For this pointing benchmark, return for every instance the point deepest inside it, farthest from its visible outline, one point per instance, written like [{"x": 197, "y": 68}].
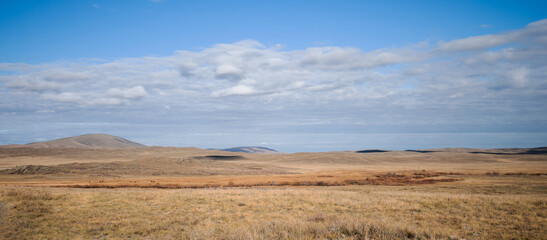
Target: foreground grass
[{"x": 513, "y": 207}]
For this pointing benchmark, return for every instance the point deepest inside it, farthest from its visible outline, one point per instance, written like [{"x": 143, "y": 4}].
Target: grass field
[
  {"x": 341, "y": 195},
  {"x": 484, "y": 207}
]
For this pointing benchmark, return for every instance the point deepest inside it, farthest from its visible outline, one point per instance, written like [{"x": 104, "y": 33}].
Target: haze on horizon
[{"x": 306, "y": 76}]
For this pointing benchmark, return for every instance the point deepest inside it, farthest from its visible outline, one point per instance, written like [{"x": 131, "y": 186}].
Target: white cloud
[
  {"x": 31, "y": 83},
  {"x": 536, "y": 29},
  {"x": 237, "y": 90},
  {"x": 478, "y": 42},
  {"x": 66, "y": 97},
  {"x": 106, "y": 101},
  {"x": 337, "y": 58},
  {"x": 464, "y": 81},
  {"x": 45, "y": 111},
  {"x": 227, "y": 71},
  {"x": 186, "y": 67},
  {"x": 519, "y": 76},
  {"x": 130, "y": 93}
]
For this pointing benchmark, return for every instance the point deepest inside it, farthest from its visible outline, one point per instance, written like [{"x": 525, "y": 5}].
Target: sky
[{"x": 295, "y": 76}]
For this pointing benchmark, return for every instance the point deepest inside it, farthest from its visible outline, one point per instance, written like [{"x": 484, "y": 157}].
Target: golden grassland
[
  {"x": 190, "y": 193},
  {"x": 480, "y": 207}
]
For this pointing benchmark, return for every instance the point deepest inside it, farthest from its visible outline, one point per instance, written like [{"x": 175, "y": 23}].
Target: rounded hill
[{"x": 88, "y": 141}]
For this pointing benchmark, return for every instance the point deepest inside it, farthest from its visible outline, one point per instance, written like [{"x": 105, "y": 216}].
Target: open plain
[
  {"x": 190, "y": 193},
  {"x": 273, "y": 119}
]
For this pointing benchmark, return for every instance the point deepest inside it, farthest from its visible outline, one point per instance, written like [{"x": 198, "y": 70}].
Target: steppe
[{"x": 102, "y": 187}]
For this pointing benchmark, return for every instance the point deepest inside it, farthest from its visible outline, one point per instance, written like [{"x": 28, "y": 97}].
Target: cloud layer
[{"x": 497, "y": 79}]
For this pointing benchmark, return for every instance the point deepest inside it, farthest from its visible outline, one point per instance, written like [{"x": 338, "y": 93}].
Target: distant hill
[
  {"x": 262, "y": 150},
  {"x": 88, "y": 141}
]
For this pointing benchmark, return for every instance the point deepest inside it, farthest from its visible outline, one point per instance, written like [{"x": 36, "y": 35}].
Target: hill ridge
[{"x": 95, "y": 140}]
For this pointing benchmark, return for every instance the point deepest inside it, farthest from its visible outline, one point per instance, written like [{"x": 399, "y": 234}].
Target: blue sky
[{"x": 290, "y": 75}]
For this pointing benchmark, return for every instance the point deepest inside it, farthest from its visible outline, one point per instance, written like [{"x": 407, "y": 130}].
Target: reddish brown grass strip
[{"x": 382, "y": 180}]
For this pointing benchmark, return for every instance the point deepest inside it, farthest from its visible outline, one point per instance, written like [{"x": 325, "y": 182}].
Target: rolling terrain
[
  {"x": 123, "y": 189},
  {"x": 119, "y": 161}
]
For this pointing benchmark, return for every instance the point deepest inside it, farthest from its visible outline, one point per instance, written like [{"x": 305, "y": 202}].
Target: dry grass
[
  {"x": 336, "y": 195},
  {"x": 448, "y": 160},
  {"x": 340, "y": 177},
  {"x": 486, "y": 207},
  {"x": 152, "y": 166},
  {"x": 323, "y": 178},
  {"x": 11, "y": 157}
]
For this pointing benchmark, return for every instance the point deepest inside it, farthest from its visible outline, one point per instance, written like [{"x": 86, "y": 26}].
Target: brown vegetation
[
  {"x": 338, "y": 178},
  {"x": 487, "y": 209},
  {"x": 189, "y": 193}
]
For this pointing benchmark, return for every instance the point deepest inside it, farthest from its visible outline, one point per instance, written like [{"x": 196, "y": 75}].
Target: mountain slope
[
  {"x": 246, "y": 149},
  {"x": 88, "y": 141}
]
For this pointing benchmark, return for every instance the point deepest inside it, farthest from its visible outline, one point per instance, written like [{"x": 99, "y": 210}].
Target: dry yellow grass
[
  {"x": 498, "y": 195},
  {"x": 483, "y": 207}
]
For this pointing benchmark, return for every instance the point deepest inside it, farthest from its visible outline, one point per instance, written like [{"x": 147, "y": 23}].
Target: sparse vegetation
[
  {"x": 483, "y": 211},
  {"x": 170, "y": 193}
]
